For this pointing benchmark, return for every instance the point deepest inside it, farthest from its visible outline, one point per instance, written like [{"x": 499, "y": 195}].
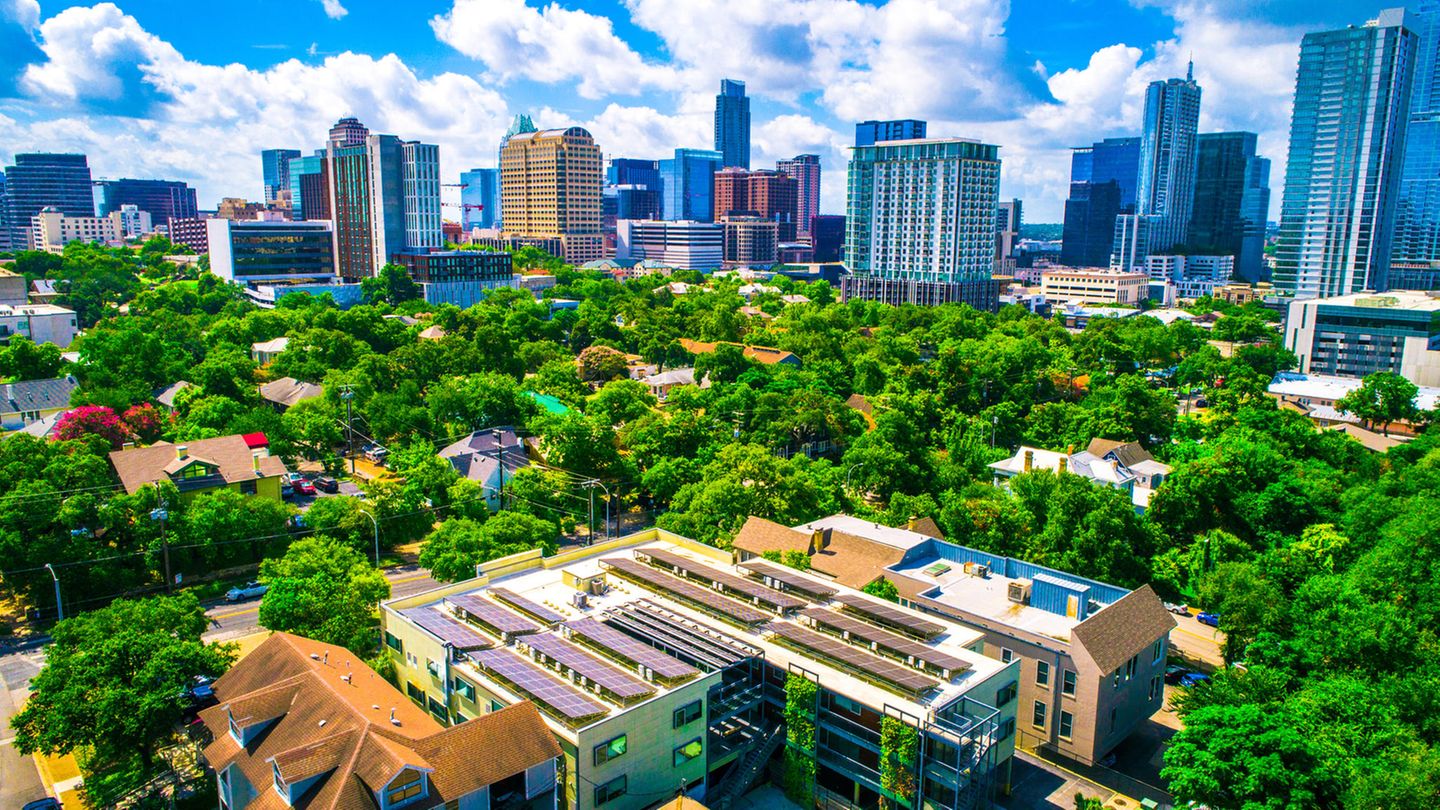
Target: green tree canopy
[{"x": 325, "y": 590}]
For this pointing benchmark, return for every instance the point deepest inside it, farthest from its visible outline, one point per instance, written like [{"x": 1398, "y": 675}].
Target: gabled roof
[
  {"x": 166, "y": 396},
  {"x": 1124, "y": 628},
  {"x": 927, "y": 526},
  {"x": 287, "y": 391},
  {"x": 230, "y": 455},
  {"x": 1127, "y": 453},
  {"x": 759, "y": 535},
  {"x": 854, "y": 561},
  {"x": 37, "y": 395},
  {"x": 760, "y": 354},
  {"x": 271, "y": 346}
]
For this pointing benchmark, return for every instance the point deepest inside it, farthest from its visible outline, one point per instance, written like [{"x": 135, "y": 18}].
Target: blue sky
[{"x": 154, "y": 88}]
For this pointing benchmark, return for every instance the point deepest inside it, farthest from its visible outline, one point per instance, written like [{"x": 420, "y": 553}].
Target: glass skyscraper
[
  {"x": 732, "y": 124},
  {"x": 869, "y": 133},
  {"x": 385, "y": 199},
  {"x": 1103, "y": 180},
  {"x": 40, "y": 180},
  {"x": 480, "y": 198},
  {"x": 1232, "y": 199},
  {"x": 163, "y": 200},
  {"x": 275, "y": 172},
  {"x": 1166, "y": 183},
  {"x": 1417, "y": 213},
  {"x": 1347, "y": 144},
  {"x": 688, "y": 184},
  {"x": 309, "y": 187}
]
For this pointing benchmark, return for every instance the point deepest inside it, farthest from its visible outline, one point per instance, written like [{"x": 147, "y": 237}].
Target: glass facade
[
  {"x": 869, "y": 133},
  {"x": 1417, "y": 214},
  {"x": 732, "y": 124},
  {"x": 40, "y": 180},
  {"x": 1232, "y": 199},
  {"x": 309, "y": 188},
  {"x": 688, "y": 184},
  {"x": 480, "y": 198},
  {"x": 275, "y": 172},
  {"x": 1103, "y": 179},
  {"x": 1166, "y": 183},
  {"x": 280, "y": 250},
  {"x": 163, "y": 200}
]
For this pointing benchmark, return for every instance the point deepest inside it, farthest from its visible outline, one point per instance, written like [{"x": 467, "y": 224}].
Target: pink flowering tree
[
  {"x": 92, "y": 420},
  {"x": 145, "y": 422}
]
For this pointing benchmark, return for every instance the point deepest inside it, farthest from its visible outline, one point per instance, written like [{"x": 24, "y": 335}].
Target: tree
[
  {"x": 325, "y": 590},
  {"x": 92, "y": 420},
  {"x": 115, "y": 678},
  {"x": 480, "y": 401},
  {"x": 216, "y": 523},
  {"x": 25, "y": 360},
  {"x": 599, "y": 363},
  {"x": 883, "y": 588},
  {"x": 452, "y": 551},
  {"x": 392, "y": 285},
  {"x": 621, "y": 401},
  {"x": 145, "y": 422},
  {"x": 1382, "y": 397},
  {"x": 1246, "y": 756}
]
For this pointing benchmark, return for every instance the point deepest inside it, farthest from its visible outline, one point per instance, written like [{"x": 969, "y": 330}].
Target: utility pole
[
  {"x": 592, "y": 514},
  {"x": 160, "y": 513},
  {"x": 348, "y": 394},
  {"x": 59, "y": 608}
]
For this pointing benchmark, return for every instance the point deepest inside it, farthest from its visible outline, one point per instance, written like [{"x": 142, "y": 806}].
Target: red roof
[{"x": 254, "y": 440}]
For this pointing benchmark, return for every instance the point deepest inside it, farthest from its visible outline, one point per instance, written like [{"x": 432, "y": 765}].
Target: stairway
[{"x": 746, "y": 771}]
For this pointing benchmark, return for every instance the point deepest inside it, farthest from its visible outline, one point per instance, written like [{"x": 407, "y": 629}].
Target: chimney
[
  {"x": 181, "y": 451},
  {"x": 1064, "y": 463},
  {"x": 393, "y": 721},
  {"x": 910, "y": 523},
  {"x": 1029, "y": 459},
  {"x": 255, "y": 461}
]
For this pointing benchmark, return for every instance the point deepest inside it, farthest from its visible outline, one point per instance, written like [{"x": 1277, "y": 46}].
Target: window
[
  {"x": 611, "y": 749},
  {"x": 1067, "y": 725},
  {"x": 847, "y": 705},
  {"x": 437, "y": 708},
  {"x": 393, "y": 643},
  {"x": 1007, "y": 728},
  {"x": 687, "y": 752},
  {"x": 1067, "y": 683},
  {"x": 248, "y": 487},
  {"x": 408, "y": 785},
  {"x": 1157, "y": 651},
  {"x": 1154, "y": 688},
  {"x": 613, "y": 789},
  {"x": 1037, "y": 717},
  {"x": 1006, "y": 694},
  {"x": 433, "y": 667},
  {"x": 1130, "y": 666},
  {"x": 465, "y": 688},
  {"x": 235, "y": 729},
  {"x": 685, "y": 715},
  {"x": 1007, "y": 655},
  {"x": 1042, "y": 673},
  {"x": 1112, "y": 719},
  {"x": 496, "y": 705},
  {"x": 416, "y": 693}
]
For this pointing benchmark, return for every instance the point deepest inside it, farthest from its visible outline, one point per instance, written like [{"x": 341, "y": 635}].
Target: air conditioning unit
[
  {"x": 1019, "y": 591},
  {"x": 982, "y": 571},
  {"x": 580, "y": 600}
]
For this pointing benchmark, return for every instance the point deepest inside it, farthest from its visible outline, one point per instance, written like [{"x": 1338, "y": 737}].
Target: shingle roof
[
  {"x": 854, "y": 561},
  {"x": 287, "y": 391},
  {"x": 759, "y": 535},
  {"x": 1127, "y": 453},
  {"x": 1124, "y": 628},
  {"x": 928, "y": 527},
  {"x": 166, "y": 395},
  {"x": 37, "y": 395},
  {"x": 138, "y": 466},
  {"x": 760, "y": 354}
]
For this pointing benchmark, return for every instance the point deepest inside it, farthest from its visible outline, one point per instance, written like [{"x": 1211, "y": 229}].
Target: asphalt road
[
  {"x": 1197, "y": 643},
  {"x": 231, "y": 620}
]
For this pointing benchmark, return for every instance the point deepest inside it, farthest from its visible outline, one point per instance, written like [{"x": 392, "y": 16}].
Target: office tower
[
  {"x": 1166, "y": 185},
  {"x": 869, "y": 133},
  {"x": 806, "y": 171},
  {"x": 1359, "y": 334},
  {"x": 521, "y": 123},
  {"x": 765, "y": 194},
  {"x": 4, "y": 221},
  {"x": 550, "y": 188},
  {"x": 687, "y": 183},
  {"x": 951, "y": 188},
  {"x": 1347, "y": 144},
  {"x": 827, "y": 237},
  {"x": 1008, "y": 218},
  {"x": 480, "y": 198},
  {"x": 732, "y": 124},
  {"x": 1114, "y": 160},
  {"x": 163, "y": 200},
  {"x": 1232, "y": 200},
  {"x": 384, "y": 200},
  {"x": 633, "y": 172},
  {"x": 275, "y": 172},
  {"x": 1417, "y": 214},
  {"x": 42, "y": 180},
  {"x": 1131, "y": 241},
  {"x": 309, "y": 188},
  {"x": 348, "y": 132},
  {"x": 1103, "y": 178},
  {"x": 750, "y": 241},
  {"x": 681, "y": 245}
]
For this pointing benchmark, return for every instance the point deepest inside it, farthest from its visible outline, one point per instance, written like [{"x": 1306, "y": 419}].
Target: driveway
[{"x": 1038, "y": 785}]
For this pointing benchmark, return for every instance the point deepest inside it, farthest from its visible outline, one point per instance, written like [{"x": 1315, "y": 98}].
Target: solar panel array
[
  {"x": 885, "y": 639},
  {"x": 722, "y": 605},
  {"x": 611, "y": 679},
  {"x": 566, "y": 700},
  {"x": 447, "y": 628},
  {"x": 747, "y": 587},
  {"x": 887, "y": 614},
  {"x": 866, "y": 665},
  {"x": 492, "y": 615},
  {"x": 627, "y": 648},
  {"x": 789, "y": 578},
  {"x": 686, "y": 638},
  {"x": 524, "y": 605}
]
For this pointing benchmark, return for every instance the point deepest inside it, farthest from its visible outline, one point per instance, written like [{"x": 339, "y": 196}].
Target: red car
[{"x": 303, "y": 487}]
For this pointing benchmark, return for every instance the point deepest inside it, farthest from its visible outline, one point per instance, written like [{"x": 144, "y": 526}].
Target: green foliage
[
  {"x": 798, "y": 766},
  {"x": 899, "y": 757},
  {"x": 883, "y": 588},
  {"x": 325, "y": 590},
  {"x": 456, "y": 547},
  {"x": 392, "y": 285},
  {"x": 1383, "y": 397},
  {"x": 21, "y": 359}
]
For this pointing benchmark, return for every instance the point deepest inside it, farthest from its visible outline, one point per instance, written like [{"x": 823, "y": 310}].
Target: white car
[{"x": 249, "y": 590}]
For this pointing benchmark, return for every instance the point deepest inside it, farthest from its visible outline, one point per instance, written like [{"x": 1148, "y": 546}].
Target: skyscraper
[
  {"x": 384, "y": 199},
  {"x": 309, "y": 187},
  {"x": 1232, "y": 200},
  {"x": 550, "y": 188},
  {"x": 869, "y": 133},
  {"x": 348, "y": 132},
  {"x": 763, "y": 194},
  {"x": 1103, "y": 178},
  {"x": 1008, "y": 217},
  {"x": 275, "y": 173},
  {"x": 732, "y": 124},
  {"x": 521, "y": 123},
  {"x": 163, "y": 200},
  {"x": 687, "y": 184},
  {"x": 1347, "y": 144},
  {"x": 633, "y": 172},
  {"x": 37, "y": 181},
  {"x": 480, "y": 198},
  {"x": 920, "y": 226},
  {"x": 1166, "y": 184},
  {"x": 1417, "y": 214},
  {"x": 806, "y": 171}
]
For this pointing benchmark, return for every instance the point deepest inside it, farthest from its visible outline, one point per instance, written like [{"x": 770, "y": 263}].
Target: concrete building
[
  {"x": 459, "y": 277},
  {"x": 680, "y": 245},
  {"x": 1193, "y": 276},
  {"x": 660, "y": 666},
  {"x": 39, "y": 181},
  {"x": 550, "y": 188},
  {"x": 765, "y": 194},
  {"x": 1008, "y": 218},
  {"x": 14, "y": 290},
  {"x": 163, "y": 200},
  {"x": 192, "y": 233},
  {"x": 1347, "y": 144},
  {"x": 1359, "y": 334},
  {"x": 1232, "y": 202},
  {"x": 750, "y": 241},
  {"x": 1130, "y": 243},
  {"x": 41, "y": 323},
  {"x": 732, "y": 124},
  {"x": 869, "y": 133},
  {"x": 1315, "y": 395},
  {"x": 51, "y": 230},
  {"x": 1168, "y": 152},
  {"x": 27, "y": 402},
  {"x": 245, "y": 252},
  {"x": 1076, "y": 286},
  {"x": 131, "y": 222},
  {"x": 1091, "y": 656},
  {"x": 806, "y": 171},
  {"x": 688, "y": 184},
  {"x": 920, "y": 225},
  {"x": 348, "y": 131},
  {"x": 384, "y": 199},
  {"x": 275, "y": 175}
]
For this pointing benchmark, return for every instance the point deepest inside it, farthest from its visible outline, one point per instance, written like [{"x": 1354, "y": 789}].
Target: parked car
[
  {"x": 1174, "y": 673},
  {"x": 1192, "y": 679},
  {"x": 325, "y": 483},
  {"x": 1178, "y": 610},
  {"x": 1212, "y": 619},
  {"x": 303, "y": 487},
  {"x": 376, "y": 453},
  {"x": 249, "y": 590},
  {"x": 47, "y": 803},
  {"x": 200, "y": 691}
]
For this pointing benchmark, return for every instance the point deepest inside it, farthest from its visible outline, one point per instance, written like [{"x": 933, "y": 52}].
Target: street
[
  {"x": 231, "y": 620},
  {"x": 1198, "y": 644}
]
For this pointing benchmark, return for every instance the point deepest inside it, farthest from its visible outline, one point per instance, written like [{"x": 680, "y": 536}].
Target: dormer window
[
  {"x": 406, "y": 787},
  {"x": 280, "y": 786},
  {"x": 234, "y": 729}
]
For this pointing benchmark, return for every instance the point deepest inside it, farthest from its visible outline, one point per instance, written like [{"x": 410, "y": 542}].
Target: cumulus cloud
[
  {"x": 333, "y": 9},
  {"x": 100, "y": 56}
]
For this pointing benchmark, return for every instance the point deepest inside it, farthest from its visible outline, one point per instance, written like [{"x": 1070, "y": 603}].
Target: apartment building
[
  {"x": 660, "y": 666},
  {"x": 1072, "y": 286},
  {"x": 1091, "y": 656}
]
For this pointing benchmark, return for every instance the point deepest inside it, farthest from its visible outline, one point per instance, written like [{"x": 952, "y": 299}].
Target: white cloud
[
  {"x": 333, "y": 9},
  {"x": 88, "y": 51},
  {"x": 641, "y": 132}
]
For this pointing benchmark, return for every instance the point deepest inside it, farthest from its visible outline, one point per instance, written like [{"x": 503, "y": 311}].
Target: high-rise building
[
  {"x": 275, "y": 172},
  {"x": 688, "y": 184},
  {"x": 1168, "y": 146},
  {"x": 1347, "y": 144},
  {"x": 309, "y": 188},
  {"x": 1008, "y": 217},
  {"x": 550, "y": 187},
  {"x": 921, "y": 222},
  {"x": 1130, "y": 242},
  {"x": 420, "y": 163},
  {"x": 750, "y": 241},
  {"x": 163, "y": 200},
  {"x": 1111, "y": 160},
  {"x": 869, "y": 133},
  {"x": 633, "y": 172},
  {"x": 348, "y": 132},
  {"x": 43, "y": 180},
  {"x": 480, "y": 198},
  {"x": 384, "y": 199},
  {"x": 1103, "y": 179},
  {"x": 827, "y": 237},
  {"x": 765, "y": 194},
  {"x": 806, "y": 171},
  {"x": 1417, "y": 214},
  {"x": 1232, "y": 200},
  {"x": 521, "y": 123},
  {"x": 732, "y": 124}
]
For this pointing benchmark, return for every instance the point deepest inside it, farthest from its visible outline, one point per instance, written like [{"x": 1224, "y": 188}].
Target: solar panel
[
  {"x": 447, "y": 628},
  {"x": 721, "y": 605},
  {"x": 492, "y": 615},
  {"x": 885, "y": 640},
  {"x": 527, "y": 606},
  {"x": 542, "y": 687},
  {"x": 741, "y": 585},
  {"x": 686, "y": 636},
  {"x": 862, "y": 664},
  {"x": 789, "y": 578},
  {"x": 627, "y": 648},
  {"x": 891, "y": 616},
  {"x": 612, "y": 679}
]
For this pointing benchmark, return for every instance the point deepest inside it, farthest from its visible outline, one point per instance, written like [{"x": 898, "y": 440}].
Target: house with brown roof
[
  {"x": 286, "y": 392},
  {"x": 760, "y": 354},
  {"x": 299, "y": 723},
  {"x": 240, "y": 462}
]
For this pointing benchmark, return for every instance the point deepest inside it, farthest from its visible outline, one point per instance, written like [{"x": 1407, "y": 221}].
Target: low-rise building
[
  {"x": 13, "y": 288},
  {"x": 29, "y": 401},
  {"x": 286, "y": 392},
  {"x": 1074, "y": 286},
  {"x": 1315, "y": 395},
  {"x": 659, "y": 667},
  {"x": 1362, "y": 333},
  {"x": 192, "y": 232},
  {"x": 266, "y": 351},
  {"x": 1125, "y": 466},
  {"x": 300, "y": 723},
  {"x": 41, "y": 323},
  {"x": 52, "y": 230},
  {"x": 240, "y": 462},
  {"x": 458, "y": 277},
  {"x": 750, "y": 241},
  {"x": 760, "y": 354},
  {"x": 246, "y": 251},
  {"x": 488, "y": 457},
  {"x": 662, "y": 383},
  {"x": 683, "y": 245}
]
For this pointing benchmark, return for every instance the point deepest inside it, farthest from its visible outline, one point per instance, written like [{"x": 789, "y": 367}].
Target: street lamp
[
  {"x": 59, "y": 609},
  {"x": 376, "y": 524},
  {"x": 853, "y": 468},
  {"x": 592, "y": 483}
]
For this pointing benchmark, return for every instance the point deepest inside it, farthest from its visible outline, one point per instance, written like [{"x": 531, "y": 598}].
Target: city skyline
[{"x": 149, "y": 96}]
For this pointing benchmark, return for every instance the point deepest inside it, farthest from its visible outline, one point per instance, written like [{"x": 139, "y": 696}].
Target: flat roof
[
  {"x": 1328, "y": 388},
  {"x": 987, "y": 598},
  {"x": 1416, "y": 300}
]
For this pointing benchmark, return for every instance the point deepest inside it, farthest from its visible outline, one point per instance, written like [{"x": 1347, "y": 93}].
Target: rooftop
[
  {"x": 37, "y": 395},
  {"x": 1394, "y": 299},
  {"x": 231, "y": 457},
  {"x": 1324, "y": 389}
]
